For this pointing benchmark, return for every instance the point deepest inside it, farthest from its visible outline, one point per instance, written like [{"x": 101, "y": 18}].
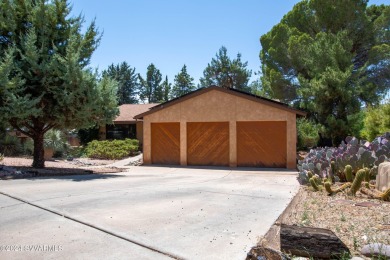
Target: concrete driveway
[{"x": 145, "y": 213}]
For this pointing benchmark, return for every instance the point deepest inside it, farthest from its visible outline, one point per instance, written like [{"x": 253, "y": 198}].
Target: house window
[{"x": 121, "y": 131}]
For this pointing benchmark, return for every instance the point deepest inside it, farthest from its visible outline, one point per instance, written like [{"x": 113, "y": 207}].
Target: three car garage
[{"x": 220, "y": 127}]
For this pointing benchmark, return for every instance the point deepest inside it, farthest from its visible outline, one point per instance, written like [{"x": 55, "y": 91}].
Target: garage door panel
[
  {"x": 165, "y": 143},
  {"x": 208, "y": 143},
  {"x": 262, "y": 144}
]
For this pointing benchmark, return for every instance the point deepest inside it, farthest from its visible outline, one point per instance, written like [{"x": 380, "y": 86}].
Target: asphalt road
[{"x": 145, "y": 213}]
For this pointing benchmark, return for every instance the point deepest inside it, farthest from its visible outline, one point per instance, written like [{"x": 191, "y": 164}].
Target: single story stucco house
[{"x": 220, "y": 127}]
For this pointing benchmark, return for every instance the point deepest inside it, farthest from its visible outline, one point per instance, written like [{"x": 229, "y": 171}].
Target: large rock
[
  {"x": 263, "y": 253},
  {"x": 376, "y": 250},
  {"x": 318, "y": 243},
  {"x": 383, "y": 177}
]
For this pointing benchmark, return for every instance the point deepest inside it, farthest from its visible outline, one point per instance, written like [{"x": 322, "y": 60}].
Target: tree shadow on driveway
[
  {"x": 78, "y": 178},
  {"x": 234, "y": 169},
  {"x": 74, "y": 174}
]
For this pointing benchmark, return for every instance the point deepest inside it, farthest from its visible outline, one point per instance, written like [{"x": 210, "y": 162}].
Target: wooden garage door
[
  {"x": 208, "y": 143},
  {"x": 165, "y": 143},
  {"x": 262, "y": 144}
]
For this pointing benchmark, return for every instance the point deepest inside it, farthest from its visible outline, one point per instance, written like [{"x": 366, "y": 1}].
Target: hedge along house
[
  {"x": 221, "y": 127},
  {"x": 125, "y": 126}
]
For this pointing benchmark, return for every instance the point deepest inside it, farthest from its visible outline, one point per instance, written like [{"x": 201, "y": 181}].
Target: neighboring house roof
[
  {"x": 231, "y": 91},
  {"x": 127, "y": 112}
]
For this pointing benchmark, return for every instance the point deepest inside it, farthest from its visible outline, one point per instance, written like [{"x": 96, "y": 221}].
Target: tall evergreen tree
[
  {"x": 166, "y": 88},
  {"x": 183, "y": 83},
  {"x": 44, "y": 79},
  {"x": 224, "y": 72},
  {"x": 329, "y": 57},
  {"x": 128, "y": 83},
  {"x": 150, "y": 88},
  {"x": 256, "y": 88}
]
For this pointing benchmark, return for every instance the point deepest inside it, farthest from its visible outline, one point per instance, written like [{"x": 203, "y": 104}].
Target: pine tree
[
  {"x": 329, "y": 57},
  {"x": 183, "y": 83},
  {"x": 151, "y": 89},
  {"x": 128, "y": 83},
  {"x": 44, "y": 79},
  {"x": 166, "y": 88},
  {"x": 224, "y": 72}
]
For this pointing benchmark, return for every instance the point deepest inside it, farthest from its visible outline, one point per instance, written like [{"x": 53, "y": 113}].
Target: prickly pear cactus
[{"x": 357, "y": 154}]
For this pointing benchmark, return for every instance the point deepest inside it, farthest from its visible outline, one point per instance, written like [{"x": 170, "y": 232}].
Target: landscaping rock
[
  {"x": 356, "y": 258},
  {"x": 383, "y": 177},
  {"x": 318, "y": 243},
  {"x": 263, "y": 253},
  {"x": 135, "y": 163},
  {"x": 367, "y": 204},
  {"x": 376, "y": 250},
  {"x": 11, "y": 173},
  {"x": 6, "y": 175}
]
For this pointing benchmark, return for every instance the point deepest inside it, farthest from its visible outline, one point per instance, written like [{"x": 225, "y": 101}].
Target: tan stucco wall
[
  {"x": 217, "y": 106},
  {"x": 140, "y": 132}
]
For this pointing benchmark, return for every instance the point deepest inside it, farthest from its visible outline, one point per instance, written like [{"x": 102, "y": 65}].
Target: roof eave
[{"x": 198, "y": 92}]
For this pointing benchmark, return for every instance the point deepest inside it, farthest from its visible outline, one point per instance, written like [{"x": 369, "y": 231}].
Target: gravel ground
[
  {"x": 56, "y": 163},
  {"x": 357, "y": 221},
  {"x": 21, "y": 167}
]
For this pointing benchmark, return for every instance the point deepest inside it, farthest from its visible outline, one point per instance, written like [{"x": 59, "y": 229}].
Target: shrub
[
  {"x": 28, "y": 147},
  {"x": 76, "y": 152},
  {"x": 356, "y": 124},
  {"x": 376, "y": 121},
  {"x": 56, "y": 140},
  {"x": 307, "y": 133},
  {"x": 357, "y": 154},
  {"x": 10, "y": 145},
  {"x": 115, "y": 149}
]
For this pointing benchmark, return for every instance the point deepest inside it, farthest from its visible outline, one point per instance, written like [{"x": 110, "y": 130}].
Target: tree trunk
[
  {"x": 39, "y": 159},
  {"x": 318, "y": 243}
]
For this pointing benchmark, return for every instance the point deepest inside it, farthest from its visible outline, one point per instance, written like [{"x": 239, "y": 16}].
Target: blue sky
[{"x": 171, "y": 33}]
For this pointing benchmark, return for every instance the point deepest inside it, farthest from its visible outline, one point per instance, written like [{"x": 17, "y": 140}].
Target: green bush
[
  {"x": 11, "y": 146},
  {"x": 56, "y": 140},
  {"x": 115, "y": 149},
  {"x": 28, "y": 147},
  {"x": 76, "y": 152},
  {"x": 376, "y": 121},
  {"x": 307, "y": 133}
]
